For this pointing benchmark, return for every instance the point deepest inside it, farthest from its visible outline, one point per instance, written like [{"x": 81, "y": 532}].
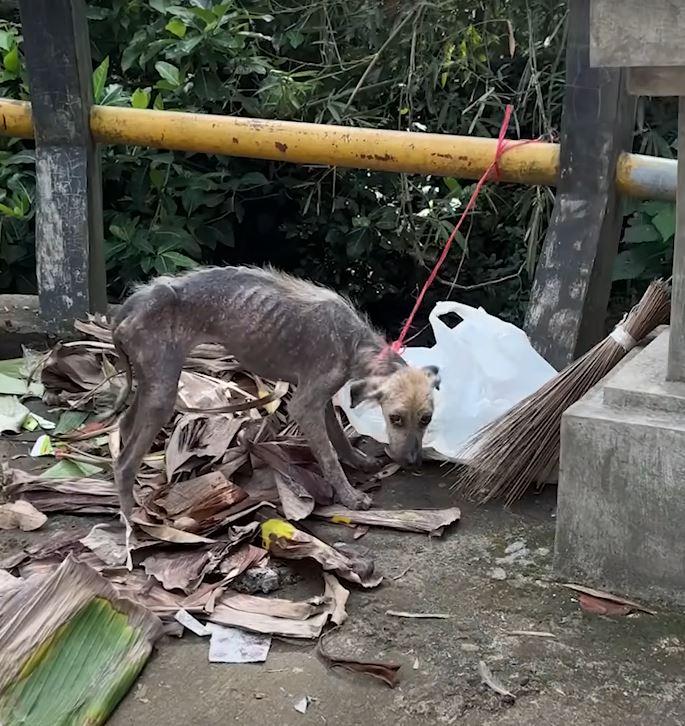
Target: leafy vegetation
[
  {"x": 647, "y": 242},
  {"x": 447, "y": 66}
]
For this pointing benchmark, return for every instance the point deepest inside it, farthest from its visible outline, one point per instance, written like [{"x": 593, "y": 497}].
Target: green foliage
[
  {"x": 647, "y": 242},
  {"x": 646, "y": 249},
  {"x": 17, "y": 178},
  {"x": 444, "y": 67}
]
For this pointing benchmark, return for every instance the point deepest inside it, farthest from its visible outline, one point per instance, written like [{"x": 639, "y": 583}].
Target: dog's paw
[{"x": 355, "y": 499}]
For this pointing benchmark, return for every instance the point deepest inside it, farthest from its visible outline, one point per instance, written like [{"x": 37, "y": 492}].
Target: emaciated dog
[{"x": 278, "y": 327}]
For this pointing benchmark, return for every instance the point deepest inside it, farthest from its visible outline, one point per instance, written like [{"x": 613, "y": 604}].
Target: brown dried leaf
[
  {"x": 360, "y": 531},
  {"x": 608, "y": 598},
  {"x": 386, "y": 672},
  {"x": 241, "y": 510},
  {"x": 275, "y": 607},
  {"x": 39, "y": 567},
  {"x": 599, "y": 606},
  {"x": 199, "y": 440},
  {"x": 183, "y": 569},
  {"x": 13, "y": 560},
  {"x": 95, "y": 327},
  {"x": 83, "y": 496},
  {"x": 21, "y": 515},
  {"x": 60, "y": 544},
  {"x": 431, "y": 521},
  {"x": 259, "y": 623},
  {"x": 197, "y": 390},
  {"x": 108, "y": 543},
  {"x": 283, "y": 540},
  {"x": 233, "y": 460},
  {"x": 200, "y": 498},
  {"x": 205, "y": 597},
  {"x": 277, "y": 617},
  {"x": 8, "y": 583},
  {"x": 282, "y": 459},
  {"x": 240, "y": 560},
  {"x": 165, "y": 533},
  {"x": 297, "y": 503},
  {"x": 143, "y": 590},
  {"x": 72, "y": 369}
]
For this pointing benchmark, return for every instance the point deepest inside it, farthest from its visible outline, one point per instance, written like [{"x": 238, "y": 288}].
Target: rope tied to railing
[{"x": 493, "y": 171}]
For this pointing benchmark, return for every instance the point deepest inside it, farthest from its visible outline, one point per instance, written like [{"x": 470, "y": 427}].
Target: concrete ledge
[
  {"x": 621, "y": 495},
  {"x": 642, "y": 382},
  {"x": 21, "y": 324}
]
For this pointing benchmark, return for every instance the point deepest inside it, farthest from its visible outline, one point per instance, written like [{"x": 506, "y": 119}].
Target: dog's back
[{"x": 267, "y": 319}]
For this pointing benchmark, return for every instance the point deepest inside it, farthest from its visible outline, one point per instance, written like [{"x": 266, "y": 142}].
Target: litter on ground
[{"x": 221, "y": 499}]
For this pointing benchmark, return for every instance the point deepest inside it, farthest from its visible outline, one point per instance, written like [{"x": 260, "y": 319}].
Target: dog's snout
[{"x": 414, "y": 456}]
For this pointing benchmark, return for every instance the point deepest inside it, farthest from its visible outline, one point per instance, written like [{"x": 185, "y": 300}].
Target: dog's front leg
[
  {"x": 347, "y": 453},
  {"x": 308, "y": 409}
]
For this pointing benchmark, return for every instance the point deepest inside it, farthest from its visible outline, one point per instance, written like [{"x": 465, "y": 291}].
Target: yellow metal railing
[{"x": 464, "y": 157}]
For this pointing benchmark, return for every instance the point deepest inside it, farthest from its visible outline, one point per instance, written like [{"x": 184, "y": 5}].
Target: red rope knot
[{"x": 502, "y": 144}]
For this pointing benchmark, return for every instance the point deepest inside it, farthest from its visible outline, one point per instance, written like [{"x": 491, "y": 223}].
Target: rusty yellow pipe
[
  {"x": 16, "y": 119},
  {"x": 463, "y": 157},
  {"x": 303, "y": 143}
]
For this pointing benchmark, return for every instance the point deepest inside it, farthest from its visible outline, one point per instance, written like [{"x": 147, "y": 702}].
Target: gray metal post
[
  {"x": 572, "y": 282},
  {"x": 70, "y": 262}
]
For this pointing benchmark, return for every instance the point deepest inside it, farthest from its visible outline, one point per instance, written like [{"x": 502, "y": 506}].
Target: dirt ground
[{"x": 597, "y": 670}]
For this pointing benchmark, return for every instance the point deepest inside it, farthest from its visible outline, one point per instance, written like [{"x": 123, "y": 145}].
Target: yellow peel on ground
[
  {"x": 275, "y": 529},
  {"x": 263, "y": 392},
  {"x": 341, "y": 519}
]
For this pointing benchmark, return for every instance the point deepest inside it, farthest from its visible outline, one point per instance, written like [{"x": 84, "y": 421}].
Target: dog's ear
[
  {"x": 364, "y": 390},
  {"x": 433, "y": 373}
]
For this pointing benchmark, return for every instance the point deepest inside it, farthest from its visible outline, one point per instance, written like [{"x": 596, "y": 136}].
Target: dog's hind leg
[
  {"x": 347, "y": 453},
  {"x": 308, "y": 408},
  {"x": 126, "y": 422},
  {"x": 151, "y": 409}
]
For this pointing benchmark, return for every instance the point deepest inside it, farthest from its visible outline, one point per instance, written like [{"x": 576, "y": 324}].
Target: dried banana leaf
[
  {"x": 430, "y": 521},
  {"x": 283, "y": 617},
  {"x": 47, "y": 494},
  {"x": 283, "y": 540}
]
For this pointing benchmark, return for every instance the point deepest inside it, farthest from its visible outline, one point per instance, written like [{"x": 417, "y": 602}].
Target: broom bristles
[{"x": 522, "y": 446}]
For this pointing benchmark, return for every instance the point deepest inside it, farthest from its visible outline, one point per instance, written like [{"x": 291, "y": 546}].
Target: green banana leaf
[{"x": 71, "y": 648}]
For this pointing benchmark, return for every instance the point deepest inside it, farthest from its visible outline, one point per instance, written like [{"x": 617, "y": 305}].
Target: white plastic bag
[{"x": 486, "y": 367}]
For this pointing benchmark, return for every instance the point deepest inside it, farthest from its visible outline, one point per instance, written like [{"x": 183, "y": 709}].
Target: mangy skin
[{"x": 278, "y": 327}]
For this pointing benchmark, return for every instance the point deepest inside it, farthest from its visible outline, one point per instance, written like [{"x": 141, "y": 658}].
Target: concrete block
[
  {"x": 22, "y": 325},
  {"x": 621, "y": 496},
  {"x": 642, "y": 383}
]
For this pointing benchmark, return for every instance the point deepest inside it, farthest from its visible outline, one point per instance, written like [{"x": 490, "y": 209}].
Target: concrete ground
[{"x": 597, "y": 670}]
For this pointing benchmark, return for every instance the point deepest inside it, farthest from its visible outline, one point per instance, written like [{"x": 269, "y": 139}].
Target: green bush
[{"x": 449, "y": 66}]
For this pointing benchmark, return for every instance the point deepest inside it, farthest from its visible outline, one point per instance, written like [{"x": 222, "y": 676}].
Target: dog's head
[{"x": 406, "y": 399}]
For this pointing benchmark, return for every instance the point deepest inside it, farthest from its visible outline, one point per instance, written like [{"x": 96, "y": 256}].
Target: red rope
[{"x": 502, "y": 147}]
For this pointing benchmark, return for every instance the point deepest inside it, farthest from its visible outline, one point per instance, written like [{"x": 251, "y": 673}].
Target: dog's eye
[
  {"x": 425, "y": 420},
  {"x": 396, "y": 420}
]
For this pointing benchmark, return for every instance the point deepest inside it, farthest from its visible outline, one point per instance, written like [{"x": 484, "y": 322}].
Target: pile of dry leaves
[{"x": 220, "y": 497}]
